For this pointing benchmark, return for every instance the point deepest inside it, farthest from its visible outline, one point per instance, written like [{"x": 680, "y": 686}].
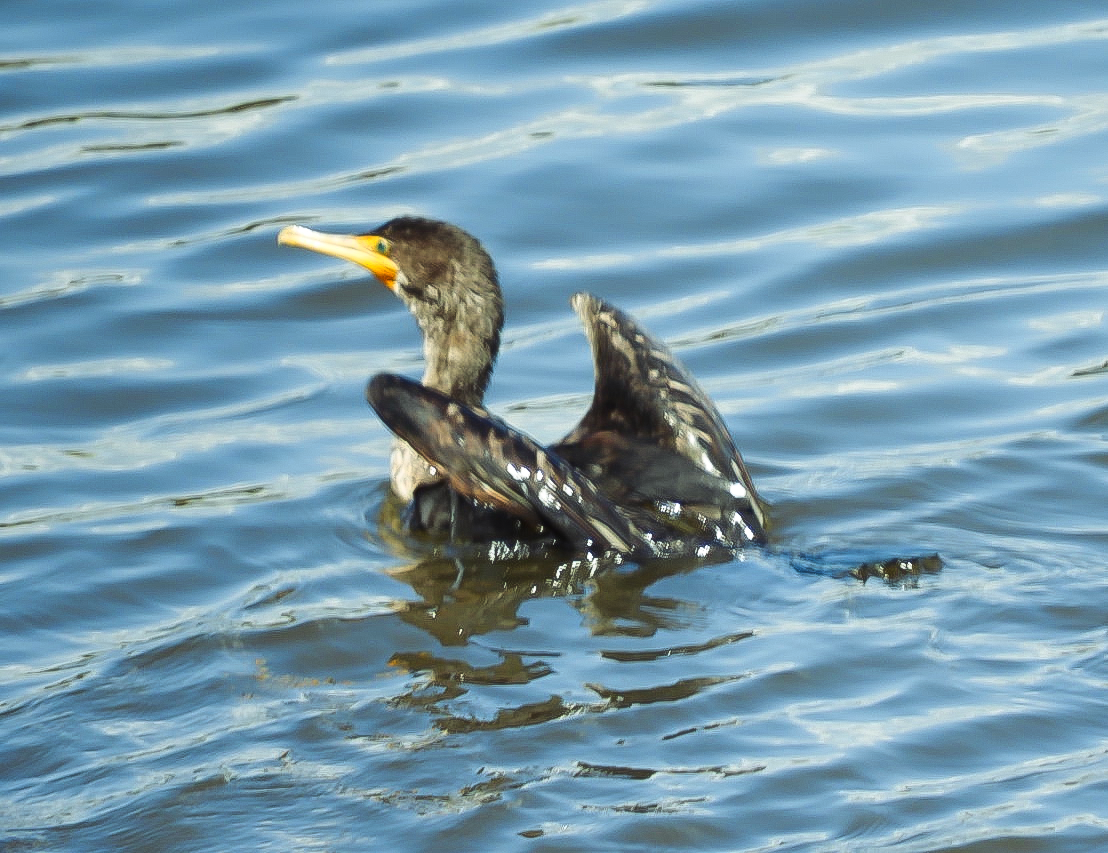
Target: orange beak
[{"x": 366, "y": 250}]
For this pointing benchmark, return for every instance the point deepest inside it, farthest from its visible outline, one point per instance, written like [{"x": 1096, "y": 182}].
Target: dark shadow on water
[
  {"x": 458, "y": 600},
  {"x": 900, "y": 571},
  {"x": 462, "y": 595}
]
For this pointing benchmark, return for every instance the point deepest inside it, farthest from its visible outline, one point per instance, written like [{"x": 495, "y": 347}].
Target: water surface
[{"x": 875, "y": 231}]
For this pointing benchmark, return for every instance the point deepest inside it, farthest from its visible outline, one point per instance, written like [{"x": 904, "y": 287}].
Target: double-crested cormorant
[{"x": 650, "y": 470}]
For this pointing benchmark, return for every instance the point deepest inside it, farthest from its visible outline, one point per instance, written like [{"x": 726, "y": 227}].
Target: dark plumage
[{"x": 650, "y": 470}]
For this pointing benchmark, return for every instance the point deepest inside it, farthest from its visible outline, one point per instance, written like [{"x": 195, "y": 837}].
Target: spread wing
[
  {"x": 646, "y": 396},
  {"x": 488, "y": 461}
]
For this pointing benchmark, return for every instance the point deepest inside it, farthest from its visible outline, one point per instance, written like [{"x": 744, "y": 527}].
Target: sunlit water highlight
[{"x": 875, "y": 232}]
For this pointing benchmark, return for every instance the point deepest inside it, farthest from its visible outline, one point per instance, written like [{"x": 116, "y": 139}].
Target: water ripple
[{"x": 876, "y": 238}]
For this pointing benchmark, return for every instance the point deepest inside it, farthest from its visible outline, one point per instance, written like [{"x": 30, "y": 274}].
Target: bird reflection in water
[{"x": 612, "y": 600}]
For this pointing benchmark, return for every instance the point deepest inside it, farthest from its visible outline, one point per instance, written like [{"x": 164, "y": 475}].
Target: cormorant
[{"x": 650, "y": 470}]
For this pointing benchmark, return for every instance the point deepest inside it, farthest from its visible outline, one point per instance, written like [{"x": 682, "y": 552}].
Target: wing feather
[
  {"x": 488, "y": 461},
  {"x": 643, "y": 392}
]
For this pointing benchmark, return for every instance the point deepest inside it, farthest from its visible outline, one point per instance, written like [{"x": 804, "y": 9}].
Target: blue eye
[{"x": 382, "y": 247}]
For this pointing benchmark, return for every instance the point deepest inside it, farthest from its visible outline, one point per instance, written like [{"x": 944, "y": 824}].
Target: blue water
[{"x": 877, "y": 233}]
